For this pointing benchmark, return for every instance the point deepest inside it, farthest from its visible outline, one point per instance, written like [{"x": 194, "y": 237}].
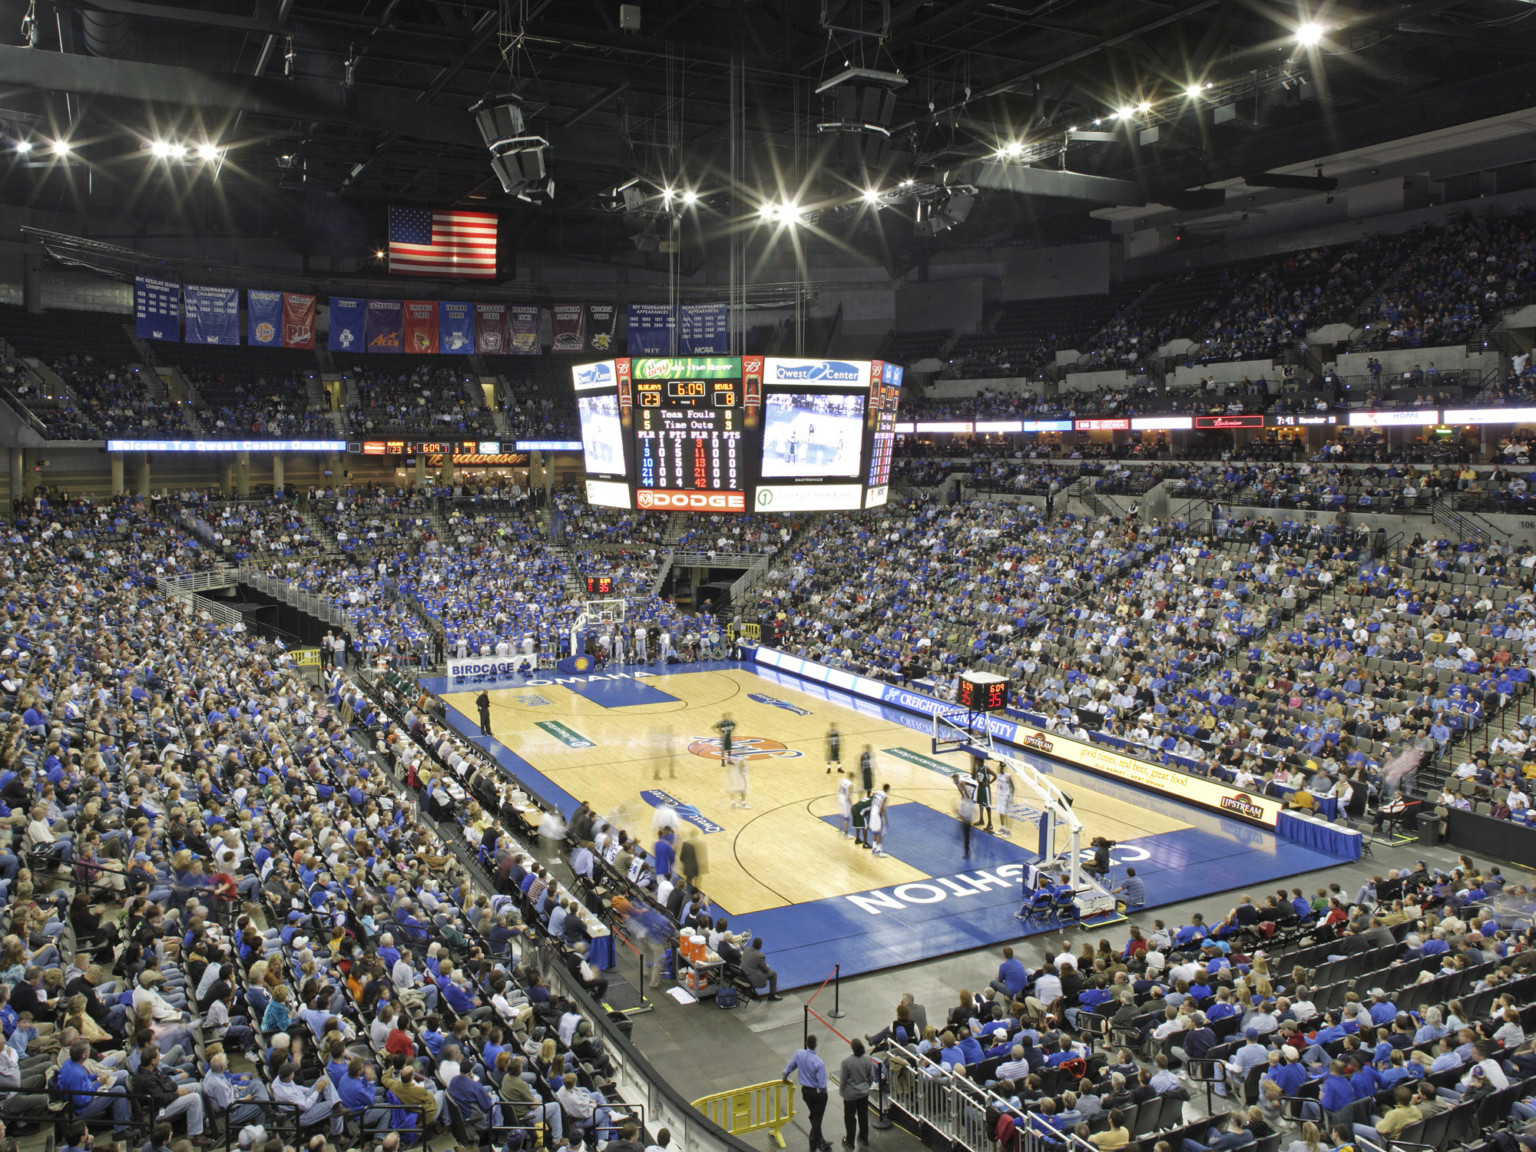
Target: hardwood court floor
[{"x": 608, "y": 742}]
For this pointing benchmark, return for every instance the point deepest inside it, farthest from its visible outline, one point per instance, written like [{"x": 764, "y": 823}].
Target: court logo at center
[{"x": 751, "y": 748}]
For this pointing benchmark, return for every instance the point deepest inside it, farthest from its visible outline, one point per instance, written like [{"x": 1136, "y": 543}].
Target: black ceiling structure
[{"x": 328, "y": 111}]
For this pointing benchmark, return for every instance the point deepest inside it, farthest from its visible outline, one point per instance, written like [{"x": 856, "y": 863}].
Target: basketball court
[{"x": 634, "y": 738}]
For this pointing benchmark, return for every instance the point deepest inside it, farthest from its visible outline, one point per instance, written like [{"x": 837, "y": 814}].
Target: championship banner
[
  {"x": 156, "y": 308},
  {"x": 650, "y": 329},
  {"x": 703, "y": 330},
  {"x": 601, "y": 319},
  {"x": 455, "y": 328},
  {"x": 525, "y": 322},
  {"x": 384, "y": 326},
  {"x": 420, "y": 327},
  {"x": 491, "y": 329},
  {"x": 570, "y": 321},
  {"x": 348, "y": 322},
  {"x": 213, "y": 315},
  {"x": 264, "y": 318},
  {"x": 298, "y": 321}
]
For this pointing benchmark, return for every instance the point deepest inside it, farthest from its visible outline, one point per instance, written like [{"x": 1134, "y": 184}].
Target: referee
[{"x": 812, "y": 1077}]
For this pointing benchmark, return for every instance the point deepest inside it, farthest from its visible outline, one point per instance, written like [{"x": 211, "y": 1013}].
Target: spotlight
[
  {"x": 1124, "y": 113},
  {"x": 1012, "y": 149},
  {"x": 690, "y": 197},
  {"x": 666, "y": 195},
  {"x": 378, "y": 253},
  {"x": 208, "y": 152},
  {"x": 159, "y": 149},
  {"x": 1144, "y": 107},
  {"x": 61, "y": 147},
  {"x": 871, "y": 195},
  {"x": 767, "y": 210},
  {"x": 1194, "y": 90},
  {"x": 1310, "y": 34},
  {"x": 789, "y": 213},
  {"x": 23, "y": 146}
]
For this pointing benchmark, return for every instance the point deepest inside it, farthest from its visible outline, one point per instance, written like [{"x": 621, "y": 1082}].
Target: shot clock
[{"x": 983, "y": 692}]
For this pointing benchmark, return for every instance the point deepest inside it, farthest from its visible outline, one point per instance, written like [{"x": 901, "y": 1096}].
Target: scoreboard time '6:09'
[{"x": 687, "y": 440}]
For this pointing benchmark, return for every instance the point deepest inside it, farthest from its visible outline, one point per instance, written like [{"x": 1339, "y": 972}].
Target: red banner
[
  {"x": 420, "y": 327},
  {"x": 298, "y": 321}
]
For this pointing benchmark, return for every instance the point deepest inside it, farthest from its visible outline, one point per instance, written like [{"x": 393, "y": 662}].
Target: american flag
[{"x": 427, "y": 242}]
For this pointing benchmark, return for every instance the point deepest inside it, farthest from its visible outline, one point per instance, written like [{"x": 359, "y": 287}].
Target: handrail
[
  {"x": 717, "y": 559},
  {"x": 222, "y": 577}
]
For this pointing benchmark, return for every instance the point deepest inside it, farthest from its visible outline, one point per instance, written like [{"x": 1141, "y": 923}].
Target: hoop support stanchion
[{"x": 837, "y": 992}]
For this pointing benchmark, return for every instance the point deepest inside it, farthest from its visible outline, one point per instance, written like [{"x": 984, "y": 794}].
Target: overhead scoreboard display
[
  {"x": 736, "y": 434},
  {"x": 688, "y": 424}
]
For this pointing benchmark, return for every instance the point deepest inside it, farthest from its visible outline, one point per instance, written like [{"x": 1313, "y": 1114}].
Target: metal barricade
[{"x": 769, "y": 1105}]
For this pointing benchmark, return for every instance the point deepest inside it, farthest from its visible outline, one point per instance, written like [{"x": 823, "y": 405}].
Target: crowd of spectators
[
  {"x": 433, "y": 401},
  {"x": 279, "y": 409},
  {"x": 280, "y": 910},
  {"x": 108, "y": 401}
]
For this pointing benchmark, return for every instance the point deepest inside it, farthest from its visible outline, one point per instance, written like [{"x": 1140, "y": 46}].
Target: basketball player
[
  {"x": 861, "y": 821},
  {"x": 966, "y": 786},
  {"x": 867, "y": 770},
  {"x": 736, "y": 782},
  {"x": 845, "y": 805},
  {"x": 878, "y": 821},
  {"x": 1004, "y": 801},
  {"x": 725, "y": 728},
  {"x": 983, "y": 777},
  {"x": 669, "y": 750},
  {"x": 663, "y": 820},
  {"x": 834, "y": 750}
]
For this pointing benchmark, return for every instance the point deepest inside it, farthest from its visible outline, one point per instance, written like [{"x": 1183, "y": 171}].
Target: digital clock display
[
  {"x": 983, "y": 696},
  {"x": 682, "y": 389},
  {"x": 599, "y": 585}
]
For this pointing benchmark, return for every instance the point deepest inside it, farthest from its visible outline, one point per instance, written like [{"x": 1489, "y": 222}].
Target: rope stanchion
[
  {"x": 837, "y": 992},
  {"x": 830, "y": 1027}
]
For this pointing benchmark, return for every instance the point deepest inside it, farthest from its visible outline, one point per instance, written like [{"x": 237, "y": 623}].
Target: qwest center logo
[{"x": 687, "y": 813}]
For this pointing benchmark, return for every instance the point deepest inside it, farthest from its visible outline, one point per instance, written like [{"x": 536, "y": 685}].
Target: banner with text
[
  {"x": 385, "y": 325},
  {"x": 650, "y": 330},
  {"x": 524, "y": 323},
  {"x": 420, "y": 327},
  {"x": 455, "y": 328},
  {"x": 348, "y": 323},
  {"x": 601, "y": 319},
  {"x": 703, "y": 330},
  {"x": 213, "y": 315},
  {"x": 569, "y": 328},
  {"x": 156, "y": 308},
  {"x": 298, "y": 320},
  {"x": 491, "y": 329},
  {"x": 264, "y": 318}
]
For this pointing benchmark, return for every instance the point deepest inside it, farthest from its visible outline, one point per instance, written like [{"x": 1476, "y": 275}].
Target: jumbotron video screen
[{"x": 736, "y": 434}]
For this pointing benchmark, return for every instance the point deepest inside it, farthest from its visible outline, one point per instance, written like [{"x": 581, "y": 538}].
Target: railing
[
  {"x": 717, "y": 559},
  {"x": 952, "y": 1105},
  {"x": 769, "y": 1105},
  {"x": 317, "y": 606},
  {"x": 1446, "y": 517},
  {"x": 200, "y": 581}
]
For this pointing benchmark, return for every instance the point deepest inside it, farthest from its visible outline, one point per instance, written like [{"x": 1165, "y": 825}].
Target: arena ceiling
[{"x": 327, "y": 111}]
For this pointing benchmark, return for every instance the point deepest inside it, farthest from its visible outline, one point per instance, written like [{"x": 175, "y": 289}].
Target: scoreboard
[
  {"x": 688, "y": 440},
  {"x": 724, "y": 433},
  {"x": 983, "y": 692}
]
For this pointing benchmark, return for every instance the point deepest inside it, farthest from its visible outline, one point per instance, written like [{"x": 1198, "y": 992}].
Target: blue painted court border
[{"x": 966, "y": 904}]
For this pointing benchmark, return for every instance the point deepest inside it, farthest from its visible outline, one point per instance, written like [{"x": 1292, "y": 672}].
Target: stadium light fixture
[
  {"x": 766, "y": 209},
  {"x": 209, "y": 152},
  {"x": 1194, "y": 90},
  {"x": 1125, "y": 112},
  {"x": 61, "y": 147},
  {"x": 690, "y": 197},
  {"x": 667, "y": 194},
  {"x": 1011, "y": 150},
  {"x": 23, "y": 146},
  {"x": 871, "y": 196},
  {"x": 1310, "y": 34},
  {"x": 1144, "y": 107}
]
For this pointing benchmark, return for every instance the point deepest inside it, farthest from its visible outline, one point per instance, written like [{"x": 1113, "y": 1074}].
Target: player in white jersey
[
  {"x": 736, "y": 781},
  {"x": 618, "y": 645},
  {"x": 640, "y": 643},
  {"x": 878, "y": 820},
  {"x": 1004, "y": 800},
  {"x": 845, "y": 805}
]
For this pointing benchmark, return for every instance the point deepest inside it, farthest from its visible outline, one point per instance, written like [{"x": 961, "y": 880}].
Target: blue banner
[
  {"x": 265, "y": 318},
  {"x": 455, "y": 328},
  {"x": 650, "y": 329},
  {"x": 348, "y": 314},
  {"x": 213, "y": 315},
  {"x": 703, "y": 330},
  {"x": 156, "y": 308}
]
